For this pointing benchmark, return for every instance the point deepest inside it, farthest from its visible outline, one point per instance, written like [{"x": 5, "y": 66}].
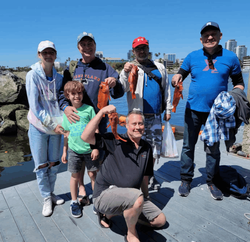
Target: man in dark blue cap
[{"x": 210, "y": 68}]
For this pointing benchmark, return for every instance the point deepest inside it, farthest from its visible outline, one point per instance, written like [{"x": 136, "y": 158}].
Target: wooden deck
[{"x": 195, "y": 218}]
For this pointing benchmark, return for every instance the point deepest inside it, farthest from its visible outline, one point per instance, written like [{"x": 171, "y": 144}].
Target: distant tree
[{"x": 67, "y": 60}]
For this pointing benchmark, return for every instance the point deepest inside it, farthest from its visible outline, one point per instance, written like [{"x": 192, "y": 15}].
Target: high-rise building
[
  {"x": 231, "y": 45},
  {"x": 130, "y": 54},
  {"x": 170, "y": 57},
  {"x": 99, "y": 54},
  {"x": 241, "y": 51}
]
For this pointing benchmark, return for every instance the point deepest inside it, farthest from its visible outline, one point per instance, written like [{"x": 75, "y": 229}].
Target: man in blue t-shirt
[
  {"x": 210, "y": 68},
  {"x": 152, "y": 89}
]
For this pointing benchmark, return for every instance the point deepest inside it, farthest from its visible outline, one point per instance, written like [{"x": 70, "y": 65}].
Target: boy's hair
[{"x": 73, "y": 86}]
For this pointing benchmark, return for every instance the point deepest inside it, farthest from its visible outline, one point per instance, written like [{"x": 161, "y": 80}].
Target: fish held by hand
[
  {"x": 177, "y": 95},
  {"x": 132, "y": 79},
  {"x": 103, "y": 95},
  {"x": 113, "y": 122}
]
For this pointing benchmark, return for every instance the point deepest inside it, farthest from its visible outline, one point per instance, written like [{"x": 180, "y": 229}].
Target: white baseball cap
[{"x": 46, "y": 44}]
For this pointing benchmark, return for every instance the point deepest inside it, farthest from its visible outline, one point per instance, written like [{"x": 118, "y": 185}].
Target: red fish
[
  {"x": 177, "y": 95},
  {"x": 113, "y": 122},
  {"x": 103, "y": 95},
  {"x": 122, "y": 120},
  {"x": 132, "y": 79}
]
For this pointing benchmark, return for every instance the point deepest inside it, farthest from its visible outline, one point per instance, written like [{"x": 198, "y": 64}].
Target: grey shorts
[
  {"x": 77, "y": 161},
  {"x": 153, "y": 134},
  {"x": 115, "y": 200}
]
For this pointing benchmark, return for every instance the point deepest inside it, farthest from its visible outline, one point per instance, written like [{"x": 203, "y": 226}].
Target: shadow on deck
[{"x": 194, "y": 218}]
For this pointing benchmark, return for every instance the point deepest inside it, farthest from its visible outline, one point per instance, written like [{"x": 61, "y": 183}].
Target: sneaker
[
  {"x": 47, "y": 206},
  {"x": 184, "y": 188},
  {"x": 215, "y": 192},
  {"x": 75, "y": 210},
  {"x": 56, "y": 199},
  {"x": 154, "y": 184},
  {"x": 94, "y": 210}
]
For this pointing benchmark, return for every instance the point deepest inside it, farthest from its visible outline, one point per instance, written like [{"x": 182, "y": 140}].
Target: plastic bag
[{"x": 169, "y": 147}]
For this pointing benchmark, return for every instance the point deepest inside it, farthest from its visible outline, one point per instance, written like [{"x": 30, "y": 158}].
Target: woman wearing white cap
[{"x": 45, "y": 118}]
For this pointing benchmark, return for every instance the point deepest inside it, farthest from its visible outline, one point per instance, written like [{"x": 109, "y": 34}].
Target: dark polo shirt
[{"x": 124, "y": 165}]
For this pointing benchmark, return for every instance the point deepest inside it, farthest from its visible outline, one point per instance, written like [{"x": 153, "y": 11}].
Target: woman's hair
[{"x": 73, "y": 86}]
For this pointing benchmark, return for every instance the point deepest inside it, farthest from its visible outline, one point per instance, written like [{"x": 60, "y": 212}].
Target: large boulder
[
  {"x": 12, "y": 89},
  {"x": 8, "y": 127},
  {"x": 21, "y": 120},
  {"x": 8, "y": 111},
  {"x": 22, "y": 75}
]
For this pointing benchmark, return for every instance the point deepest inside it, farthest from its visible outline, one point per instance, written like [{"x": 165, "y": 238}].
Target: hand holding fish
[
  {"x": 177, "y": 78},
  {"x": 128, "y": 67},
  {"x": 111, "y": 81},
  {"x": 108, "y": 109}
]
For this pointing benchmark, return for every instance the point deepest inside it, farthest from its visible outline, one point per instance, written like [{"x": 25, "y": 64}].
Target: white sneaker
[
  {"x": 47, "y": 207},
  {"x": 56, "y": 199}
]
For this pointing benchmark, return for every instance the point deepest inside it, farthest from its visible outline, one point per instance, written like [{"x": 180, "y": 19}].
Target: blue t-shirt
[
  {"x": 152, "y": 94},
  {"x": 207, "y": 83}
]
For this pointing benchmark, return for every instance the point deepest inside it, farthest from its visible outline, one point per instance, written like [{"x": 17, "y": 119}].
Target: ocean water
[
  {"x": 178, "y": 117},
  {"x": 17, "y": 167}
]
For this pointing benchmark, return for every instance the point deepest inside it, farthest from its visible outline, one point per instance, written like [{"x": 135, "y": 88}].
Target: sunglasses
[
  {"x": 210, "y": 63},
  {"x": 143, "y": 48}
]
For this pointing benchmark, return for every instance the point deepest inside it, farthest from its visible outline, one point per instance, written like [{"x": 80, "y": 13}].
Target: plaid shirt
[{"x": 220, "y": 119}]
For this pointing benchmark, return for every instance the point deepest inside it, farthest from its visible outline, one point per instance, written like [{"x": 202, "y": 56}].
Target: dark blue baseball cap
[{"x": 210, "y": 25}]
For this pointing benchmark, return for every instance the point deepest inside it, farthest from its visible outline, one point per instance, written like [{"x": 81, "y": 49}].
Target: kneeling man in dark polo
[{"x": 123, "y": 173}]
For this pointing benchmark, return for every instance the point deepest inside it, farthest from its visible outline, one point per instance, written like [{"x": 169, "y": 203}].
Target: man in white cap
[{"x": 210, "y": 68}]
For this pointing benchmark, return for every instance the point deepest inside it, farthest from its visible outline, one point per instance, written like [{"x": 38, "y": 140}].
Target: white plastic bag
[{"x": 169, "y": 147}]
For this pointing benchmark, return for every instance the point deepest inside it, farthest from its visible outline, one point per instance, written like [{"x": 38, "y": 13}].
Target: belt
[{"x": 150, "y": 114}]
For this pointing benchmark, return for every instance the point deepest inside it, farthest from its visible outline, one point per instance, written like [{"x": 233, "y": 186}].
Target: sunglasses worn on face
[
  {"x": 144, "y": 48},
  {"x": 48, "y": 52}
]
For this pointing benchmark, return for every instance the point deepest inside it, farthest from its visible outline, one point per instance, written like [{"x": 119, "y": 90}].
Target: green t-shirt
[{"x": 75, "y": 142}]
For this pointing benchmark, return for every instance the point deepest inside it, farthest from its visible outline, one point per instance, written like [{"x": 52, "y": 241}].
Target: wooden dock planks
[{"x": 194, "y": 218}]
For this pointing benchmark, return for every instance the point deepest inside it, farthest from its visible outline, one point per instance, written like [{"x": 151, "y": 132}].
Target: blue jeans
[
  {"x": 192, "y": 125},
  {"x": 45, "y": 148}
]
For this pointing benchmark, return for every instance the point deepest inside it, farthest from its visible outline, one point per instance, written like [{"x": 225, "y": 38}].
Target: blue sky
[{"x": 170, "y": 26}]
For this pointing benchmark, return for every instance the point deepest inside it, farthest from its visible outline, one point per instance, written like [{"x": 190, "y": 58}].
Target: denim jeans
[
  {"x": 192, "y": 125},
  {"x": 45, "y": 148}
]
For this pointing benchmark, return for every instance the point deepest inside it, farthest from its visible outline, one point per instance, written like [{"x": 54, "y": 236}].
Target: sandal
[
  {"x": 84, "y": 200},
  {"x": 102, "y": 217},
  {"x": 235, "y": 148}
]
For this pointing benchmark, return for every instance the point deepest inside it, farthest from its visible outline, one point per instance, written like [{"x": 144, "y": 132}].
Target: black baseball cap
[{"x": 211, "y": 25}]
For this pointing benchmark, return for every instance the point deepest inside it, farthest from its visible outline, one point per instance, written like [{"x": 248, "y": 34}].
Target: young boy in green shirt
[{"x": 79, "y": 152}]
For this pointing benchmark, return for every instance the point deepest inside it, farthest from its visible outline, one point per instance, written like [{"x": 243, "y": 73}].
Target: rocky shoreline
[{"x": 13, "y": 103}]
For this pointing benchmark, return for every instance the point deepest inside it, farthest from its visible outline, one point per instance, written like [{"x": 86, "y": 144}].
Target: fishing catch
[
  {"x": 122, "y": 120},
  {"x": 132, "y": 79},
  {"x": 113, "y": 122},
  {"x": 177, "y": 95},
  {"x": 103, "y": 95}
]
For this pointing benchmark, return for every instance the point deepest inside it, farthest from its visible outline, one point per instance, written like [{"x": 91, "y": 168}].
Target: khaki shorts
[
  {"x": 114, "y": 200},
  {"x": 153, "y": 134}
]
